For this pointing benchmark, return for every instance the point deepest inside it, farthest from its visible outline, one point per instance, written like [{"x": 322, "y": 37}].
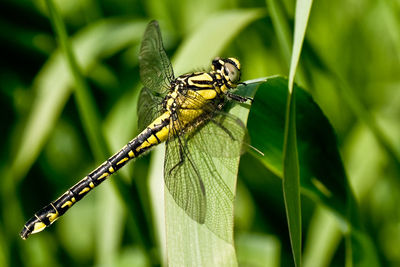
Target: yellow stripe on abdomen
[
  {"x": 162, "y": 135},
  {"x": 158, "y": 137}
]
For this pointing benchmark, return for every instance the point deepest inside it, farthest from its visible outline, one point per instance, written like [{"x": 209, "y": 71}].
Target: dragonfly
[{"x": 186, "y": 112}]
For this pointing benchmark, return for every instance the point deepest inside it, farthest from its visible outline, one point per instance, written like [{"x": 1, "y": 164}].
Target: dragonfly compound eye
[{"x": 232, "y": 72}]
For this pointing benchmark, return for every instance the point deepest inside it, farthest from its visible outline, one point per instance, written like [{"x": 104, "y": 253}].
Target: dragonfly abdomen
[{"x": 154, "y": 134}]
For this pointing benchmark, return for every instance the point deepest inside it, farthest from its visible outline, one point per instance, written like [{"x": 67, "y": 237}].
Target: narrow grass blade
[
  {"x": 303, "y": 8},
  {"x": 291, "y": 178},
  {"x": 3, "y": 250},
  {"x": 283, "y": 32},
  {"x": 90, "y": 119},
  {"x": 87, "y": 109},
  {"x": 281, "y": 27},
  {"x": 91, "y": 123}
]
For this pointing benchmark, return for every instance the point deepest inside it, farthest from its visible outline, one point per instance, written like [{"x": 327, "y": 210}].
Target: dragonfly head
[{"x": 229, "y": 68}]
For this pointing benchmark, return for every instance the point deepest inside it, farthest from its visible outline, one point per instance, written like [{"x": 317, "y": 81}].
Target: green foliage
[{"x": 63, "y": 115}]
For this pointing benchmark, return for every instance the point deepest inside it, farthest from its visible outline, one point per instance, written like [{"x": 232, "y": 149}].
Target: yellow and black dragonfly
[{"x": 187, "y": 113}]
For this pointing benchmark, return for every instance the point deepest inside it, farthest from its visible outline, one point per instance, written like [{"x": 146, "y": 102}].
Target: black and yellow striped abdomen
[{"x": 154, "y": 134}]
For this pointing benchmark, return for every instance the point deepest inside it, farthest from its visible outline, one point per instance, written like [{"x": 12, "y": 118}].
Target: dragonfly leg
[
  {"x": 239, "y": 98},
  {"x": 181, "y": 158}
]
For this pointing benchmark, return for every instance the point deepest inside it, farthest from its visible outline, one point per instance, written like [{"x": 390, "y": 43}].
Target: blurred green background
[{"x": 350, "y": 64}]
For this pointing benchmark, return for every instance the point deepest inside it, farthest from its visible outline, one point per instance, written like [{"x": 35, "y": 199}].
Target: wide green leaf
[
  {"x": 323, "y": 178},
  {"x": 326, "y": 181}
]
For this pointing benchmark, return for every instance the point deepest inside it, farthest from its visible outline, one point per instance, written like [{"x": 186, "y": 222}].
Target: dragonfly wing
[
  {"x": 156, "y": 72},
  {"x": 195, "y": 183},
  {"x": 183, "y": 179},
  {"x": 149, "y": 108},
  {"x": 156, "y": 75},
  {"x": 226, "y": 132}
]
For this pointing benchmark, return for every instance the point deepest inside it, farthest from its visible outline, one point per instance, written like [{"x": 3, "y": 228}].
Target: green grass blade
[
  {"x": 303, "y": 8},
  {"x": 291, "y": 178},
  {"x": 281, "y": 27},
  {"x": 87, "y": 108},
  {"x": 188, "y": 243},
  {"x": 91, "y": 124},
  {"x": 157, "y": 195},
  {"x": 191, "y": 243},
  {"x": 3, "y": 250},
  {"x": 283, "y": 33}
]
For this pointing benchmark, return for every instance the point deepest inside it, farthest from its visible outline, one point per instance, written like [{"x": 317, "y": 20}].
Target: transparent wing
[
  {"x": 192, "y": 178},
  {"x": 219, "y": 197},
  {"x": 155, "y": 68},
  {"x": 149, "y": 108},
  {"x": 183, "y": 179},
  {"x": 228, "y": 131},
  {"x": 227, "y": 134}
]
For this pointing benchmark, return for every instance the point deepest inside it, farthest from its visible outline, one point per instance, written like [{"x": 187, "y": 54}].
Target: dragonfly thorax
[{"x": 190, "y": 93}]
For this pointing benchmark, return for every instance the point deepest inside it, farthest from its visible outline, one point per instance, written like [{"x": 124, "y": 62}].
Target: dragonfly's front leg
[{"x": 239, "y": 98}]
